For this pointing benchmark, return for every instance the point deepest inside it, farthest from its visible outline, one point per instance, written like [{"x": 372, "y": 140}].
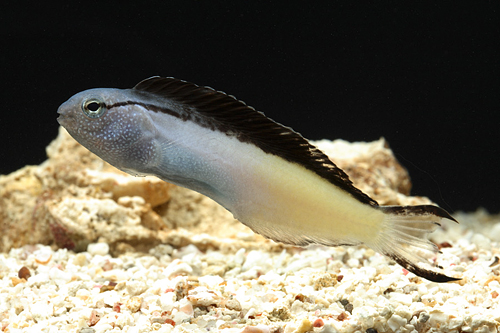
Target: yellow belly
[{"x": 293, "y": 203}]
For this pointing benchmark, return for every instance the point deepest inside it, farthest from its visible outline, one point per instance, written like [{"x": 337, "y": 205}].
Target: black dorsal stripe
[
  {"x": 147, "y": 106},
  {"x": 219, "y": 111}
]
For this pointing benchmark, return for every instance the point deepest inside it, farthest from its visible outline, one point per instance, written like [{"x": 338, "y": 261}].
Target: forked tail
[{"x": 403, "y": 235}]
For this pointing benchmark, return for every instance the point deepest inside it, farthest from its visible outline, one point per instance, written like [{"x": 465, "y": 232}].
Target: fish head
[{"x": 103, "y": 121}]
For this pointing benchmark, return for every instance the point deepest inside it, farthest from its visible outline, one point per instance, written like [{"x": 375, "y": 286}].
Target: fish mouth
[{"x": 63, "y": 119}]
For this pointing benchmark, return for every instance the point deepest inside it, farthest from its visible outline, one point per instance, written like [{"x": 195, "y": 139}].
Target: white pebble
[
  {"x": 494, "y": 233},
  {"x": 56, "y": 274},
  {"x": 353, "y": 262},
  {"x": 438, "y": 318},
  {"x": 98, "y": 249},
  {"x": 186, "y": 307},
  {"x": 396, "y": 322},
  {"x": 167, "y": 301},
  {"x": 481, "y": 242},
  {"x": 166, "y": 328},
  {"x": 43, "y": 255},
  {"x": 41, "y": 310},
  {"x": 179, "y": 316},
  {"x": 102, "y": 328},
  {"x": 404, "y": 299},
  {"x": 328, "y": 329},
  {"x": 124, "y": 319},
  {"x": 297, "y": 265},
  {"x": 210, "y": 280},
  {"x": 238, "y": 258},
  {"x": 201, "y": 296},
  {"x": 255, "y": 259},
  {"x": 135, "y": 288},
  {"x": 177, "y": 267},
  {"x": 111, "y": 298}
]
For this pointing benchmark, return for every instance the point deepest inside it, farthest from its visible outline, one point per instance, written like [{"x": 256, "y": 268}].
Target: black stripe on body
[{"x": 150, "y": 107}]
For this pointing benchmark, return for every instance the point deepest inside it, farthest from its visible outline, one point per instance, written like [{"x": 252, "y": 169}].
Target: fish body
[{"x": 269, "y": 176}]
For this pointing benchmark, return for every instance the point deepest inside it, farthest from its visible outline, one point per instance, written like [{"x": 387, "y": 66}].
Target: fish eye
[{"x": 93, "y": 107}]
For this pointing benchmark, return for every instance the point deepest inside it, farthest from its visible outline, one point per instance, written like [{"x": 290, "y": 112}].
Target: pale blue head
[{"x": 106, "y": 123}]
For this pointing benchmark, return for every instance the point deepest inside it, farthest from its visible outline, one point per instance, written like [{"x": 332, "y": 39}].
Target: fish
[{"x": 267, "y": 175}]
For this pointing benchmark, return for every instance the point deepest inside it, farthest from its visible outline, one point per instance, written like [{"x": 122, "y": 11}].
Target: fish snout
[{"x": 65, "y": 118}]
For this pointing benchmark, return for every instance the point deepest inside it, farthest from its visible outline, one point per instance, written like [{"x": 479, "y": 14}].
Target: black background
[{"x": 426, "y": 78}]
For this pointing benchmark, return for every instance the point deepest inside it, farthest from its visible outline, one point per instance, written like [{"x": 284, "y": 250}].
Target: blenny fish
[{"x": 267, "y": 175}]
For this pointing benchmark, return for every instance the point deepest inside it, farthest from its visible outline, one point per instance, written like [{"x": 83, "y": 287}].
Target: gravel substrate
[{"x": 318, "y": 289}]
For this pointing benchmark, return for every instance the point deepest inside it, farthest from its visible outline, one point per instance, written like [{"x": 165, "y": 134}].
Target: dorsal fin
[{"x": 219, "y": 111}]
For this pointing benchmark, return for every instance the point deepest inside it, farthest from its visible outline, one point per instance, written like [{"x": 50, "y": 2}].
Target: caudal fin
[{"x": 403, "y": 235}]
